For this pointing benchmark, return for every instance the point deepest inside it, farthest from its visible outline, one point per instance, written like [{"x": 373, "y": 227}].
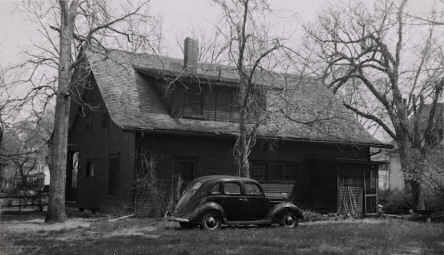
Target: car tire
[
  {"x": 289, "y": 219},
  {"x": 211, "y": 221}
]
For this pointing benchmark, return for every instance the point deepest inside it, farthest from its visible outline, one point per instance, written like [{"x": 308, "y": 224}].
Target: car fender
[
  {"x": 206, "y": 207},
  {"x": 279, "y": 208}
]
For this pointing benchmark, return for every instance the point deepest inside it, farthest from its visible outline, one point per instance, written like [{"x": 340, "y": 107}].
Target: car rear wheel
[
  {"x": 210, "y": 221},
  {"x": 289, "y": 219}
]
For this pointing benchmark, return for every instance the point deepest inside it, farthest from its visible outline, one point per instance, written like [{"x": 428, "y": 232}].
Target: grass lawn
[{"x": 148, "y": 236}]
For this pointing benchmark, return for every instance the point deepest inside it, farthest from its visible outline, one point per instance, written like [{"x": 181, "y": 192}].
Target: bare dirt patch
[
  {"x": 346, "y": 221},
  {"x": 37, "y": 225},
  {"x": 134, "y": 231}
]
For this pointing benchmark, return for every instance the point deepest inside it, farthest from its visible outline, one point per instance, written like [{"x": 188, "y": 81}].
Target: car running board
[{"x": 249, "y": 222}]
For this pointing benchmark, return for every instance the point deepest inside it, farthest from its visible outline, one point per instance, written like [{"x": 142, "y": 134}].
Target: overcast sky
[{"x": 179, "y": 19}]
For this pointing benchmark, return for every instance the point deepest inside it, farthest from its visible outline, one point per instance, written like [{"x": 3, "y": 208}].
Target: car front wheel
[
  {"x": 289, "y": 219},
  {"x": 211, "y": 221}
]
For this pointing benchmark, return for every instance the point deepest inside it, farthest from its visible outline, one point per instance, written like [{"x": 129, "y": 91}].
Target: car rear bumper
[{"x": 178, "y": 219}]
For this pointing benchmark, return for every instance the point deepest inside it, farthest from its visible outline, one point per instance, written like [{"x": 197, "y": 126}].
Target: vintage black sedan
[{"x": 215, "y": 200}]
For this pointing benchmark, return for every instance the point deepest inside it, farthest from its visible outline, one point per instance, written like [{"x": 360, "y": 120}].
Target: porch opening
[{"x": 357, "y": 189}]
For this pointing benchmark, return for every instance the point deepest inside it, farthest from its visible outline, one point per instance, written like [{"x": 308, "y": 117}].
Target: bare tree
[
  {"x": 249, "y": 49},
  {"x": 24, "y": 148},
  {"x": 6, "y": 111},
  {"x": 2, "y": 104},
  {"x": 79, "y": 26},
  {"x": 390, "y": 72}
]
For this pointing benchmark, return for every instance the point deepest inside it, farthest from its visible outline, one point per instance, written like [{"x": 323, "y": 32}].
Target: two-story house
[{"x": 141, "y": 112}]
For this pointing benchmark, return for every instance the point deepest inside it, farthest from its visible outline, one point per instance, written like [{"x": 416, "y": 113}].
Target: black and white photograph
[{"x": 240, "y": 127}]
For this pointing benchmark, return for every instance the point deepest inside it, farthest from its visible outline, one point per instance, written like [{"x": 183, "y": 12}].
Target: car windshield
[{"x": 188, "y": 193}]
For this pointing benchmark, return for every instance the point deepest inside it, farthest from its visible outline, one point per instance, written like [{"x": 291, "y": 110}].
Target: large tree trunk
[
  {"x": 2, "y": 129},
  {"x": 59, "y": 141},
  {"x": 417, "y": 195},
  {"x": 411, "y": 159},
  {"x": 243, "y": 147},
  {"x": 1, "y": 133}
]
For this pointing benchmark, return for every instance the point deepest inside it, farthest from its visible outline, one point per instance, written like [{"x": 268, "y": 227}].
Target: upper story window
[
  {"x": 193, "y": 104},
  {"x": 226, "y": 104},
  {"x": 217, "y": 103}
]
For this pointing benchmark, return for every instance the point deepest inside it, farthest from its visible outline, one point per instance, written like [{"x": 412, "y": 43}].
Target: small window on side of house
[
  {"x": 90, "y": 169},
  {"x": 223, "y": 104},
  {"x": 193, "y": 104},
  {"x": 235, "y": 106},
  {"x": 258, "y": 171},
  {"x": 75, "y": 170}
]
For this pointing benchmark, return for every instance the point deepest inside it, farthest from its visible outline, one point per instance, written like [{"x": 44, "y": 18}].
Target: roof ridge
[
  {"x": 206, "y": 64},
  {"x": 133, "y": 103}
]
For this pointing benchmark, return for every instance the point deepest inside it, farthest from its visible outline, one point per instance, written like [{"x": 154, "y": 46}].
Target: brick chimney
[{"x": 191, "y": 54}]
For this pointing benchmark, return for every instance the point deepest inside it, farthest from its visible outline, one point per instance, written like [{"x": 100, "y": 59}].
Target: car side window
[
  {"x": 232, "y": 188},
  {"x": 216, "y": 189},
  {"x": 252, "y": 189}
]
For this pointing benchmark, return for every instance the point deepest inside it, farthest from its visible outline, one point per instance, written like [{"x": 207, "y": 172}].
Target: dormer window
[
  {"x": 193, "y": 104},
  {"x": 214, "y": 103},
  {"x": 226, "y": 104}
]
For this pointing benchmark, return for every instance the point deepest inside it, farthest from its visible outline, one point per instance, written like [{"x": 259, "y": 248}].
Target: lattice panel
[{"x": 350, "y": 201}]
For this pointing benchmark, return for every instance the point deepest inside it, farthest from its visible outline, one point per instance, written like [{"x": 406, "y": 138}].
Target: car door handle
[{"x": 243, "y": 199}]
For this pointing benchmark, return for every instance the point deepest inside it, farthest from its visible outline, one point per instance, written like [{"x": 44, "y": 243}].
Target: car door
[
  {"x": 258, "y": 206},
  {"x": 234, "y": 203}
]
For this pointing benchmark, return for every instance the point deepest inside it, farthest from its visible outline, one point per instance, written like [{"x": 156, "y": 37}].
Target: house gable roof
[{"x": 134, "y": 103}]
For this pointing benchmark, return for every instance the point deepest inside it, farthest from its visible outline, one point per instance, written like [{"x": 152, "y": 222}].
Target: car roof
[{"x": 214, "y": 178}]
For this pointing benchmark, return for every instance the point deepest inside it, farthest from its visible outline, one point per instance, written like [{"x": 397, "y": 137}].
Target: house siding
[
  {"x": 97, "y": 139},
  {"x": 315, "y": 183}
]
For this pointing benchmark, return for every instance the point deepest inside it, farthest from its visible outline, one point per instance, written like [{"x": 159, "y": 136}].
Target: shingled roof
[{"x": 134, "y": 104}]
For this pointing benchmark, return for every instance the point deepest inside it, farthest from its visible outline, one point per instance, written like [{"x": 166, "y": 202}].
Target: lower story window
[
  {"x": 274, "y": 171},
  {"x": 90, "y": 169},
  {"x": 258, "y": 171},
  {"x": 75, "y": 170}
]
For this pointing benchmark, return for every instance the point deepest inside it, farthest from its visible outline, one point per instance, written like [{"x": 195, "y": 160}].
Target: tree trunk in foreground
[
  {"x": 412, "y": 168},
  {"x": 59, "y": 140},
  {"x": 242, "y": 146}
]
